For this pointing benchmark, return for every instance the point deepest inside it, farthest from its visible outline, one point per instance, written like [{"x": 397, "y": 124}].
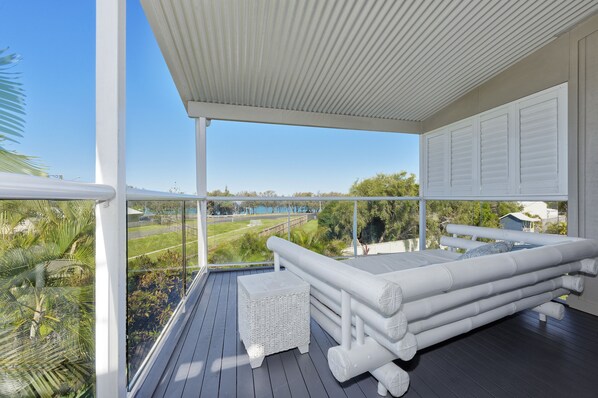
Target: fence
[{"x": 287, "y": 226}]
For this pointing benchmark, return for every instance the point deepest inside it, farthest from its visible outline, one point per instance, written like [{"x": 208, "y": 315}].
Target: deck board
[{"x": 518, "y": 356}]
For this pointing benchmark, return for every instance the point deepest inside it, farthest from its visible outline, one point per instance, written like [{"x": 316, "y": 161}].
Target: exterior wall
[
  {"x": 545, "y": 68},
  {"x": 511, "y": 223},
  {"x": 572, "y": 58},
  {"x": 583, "y": 184}
]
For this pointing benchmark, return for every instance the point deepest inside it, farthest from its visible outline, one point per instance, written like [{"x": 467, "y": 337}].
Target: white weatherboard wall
[{"x": 518, "y": 149}]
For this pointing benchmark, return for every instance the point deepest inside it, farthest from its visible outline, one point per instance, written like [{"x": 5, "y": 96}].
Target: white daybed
[{"x": 414, "y": 300}]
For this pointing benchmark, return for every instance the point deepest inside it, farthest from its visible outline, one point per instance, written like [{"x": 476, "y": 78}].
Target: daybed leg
[
  {"x": 304, "y": 349},
  {"x": 551, "y": 309},
  {"x": 256, "y": 362},
  {"x": 382, "y": 390},
  {"x": 542, "y": 317}
]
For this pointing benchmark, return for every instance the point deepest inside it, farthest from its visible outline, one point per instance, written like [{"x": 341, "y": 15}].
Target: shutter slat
[
  {"x": 494, "y": 153},
  {"x": 539, "y": 143},
  {"x": 436, "y": 152},
  {"x": 461, "y": 159}
]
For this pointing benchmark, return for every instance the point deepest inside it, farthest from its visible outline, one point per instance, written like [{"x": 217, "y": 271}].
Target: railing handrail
[
  {"x": 146, "y": 194},
  {"x": 308, "y": 198},
  {"x": 26, "y": 187},
  {"x": 142, "y": 194}
]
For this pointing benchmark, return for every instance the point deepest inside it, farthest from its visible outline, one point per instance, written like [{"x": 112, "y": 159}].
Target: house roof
[
  {"x": 131, "y": 211},
  {"x": 521, "y": 217},
  {"x": 374, "y": 65}
]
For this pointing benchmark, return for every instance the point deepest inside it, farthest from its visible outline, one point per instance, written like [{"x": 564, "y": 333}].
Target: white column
[
  {"x": 202, "y": 190},
  {"x": 355, "y": 229},
  {"x": 110, "y": 285},
  {"x": 422, "y": 224}
]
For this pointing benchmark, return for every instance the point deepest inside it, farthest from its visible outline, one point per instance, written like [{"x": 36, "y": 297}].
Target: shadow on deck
[{"x": 514, "y": 357}]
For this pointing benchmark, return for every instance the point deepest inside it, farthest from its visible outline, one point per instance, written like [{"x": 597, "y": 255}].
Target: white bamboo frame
[{"x": 437, "y": 302}]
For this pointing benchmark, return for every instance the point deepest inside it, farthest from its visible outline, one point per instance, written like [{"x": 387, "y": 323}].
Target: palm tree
[
  {"x": 12, "y": 110},
  {"x": 46, "y": 297}
]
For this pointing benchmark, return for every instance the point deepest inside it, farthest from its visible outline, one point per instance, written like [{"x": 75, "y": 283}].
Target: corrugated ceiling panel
[{"x": 384, "y": 59}]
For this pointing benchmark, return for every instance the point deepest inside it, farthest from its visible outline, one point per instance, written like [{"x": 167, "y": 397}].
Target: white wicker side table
[{"x": 273, "y": 314}]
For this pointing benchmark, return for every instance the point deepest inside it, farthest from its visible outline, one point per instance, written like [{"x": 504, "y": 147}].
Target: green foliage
[
  {"x": 317, "y": 241},
  {"x": 558, "y": 228},
  {"x": 12, "y": 124},
  {"x": 46, "y": 296},
  {"x": 377, "y": 221},
  {"x": 482, "y": 214},
  {"x": 220, "y": 208},
  {"x": 337, "y": 220},
  {"x": 250, "y": 247},
  {"x": 154, "y": 288}
]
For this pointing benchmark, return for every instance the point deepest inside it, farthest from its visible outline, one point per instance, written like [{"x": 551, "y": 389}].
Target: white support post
[
  {"x": 276, "y": 262},
  {"x": 289, "y": 222},
  {"x": 345, "y": 320},
  {"x": 111, "y": 216},
  {"x": 359, "y": 329},
  {"x": 355, "y": 228},
  {"x": 422, "y": 224},
  {"x": 202, "y": 191}
]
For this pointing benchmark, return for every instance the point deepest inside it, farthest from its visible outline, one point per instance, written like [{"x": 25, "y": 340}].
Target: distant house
[
  {"x": 541, "y": 209},
  {"x": 133, "y": 215},
  {"x": 519, "y": 222}
]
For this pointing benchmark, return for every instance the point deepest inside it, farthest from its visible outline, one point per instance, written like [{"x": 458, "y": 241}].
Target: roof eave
[{"x": 299, "y": 118}]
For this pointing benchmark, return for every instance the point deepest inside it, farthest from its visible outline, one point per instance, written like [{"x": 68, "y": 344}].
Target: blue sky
[{"x": 57, "y": 42}]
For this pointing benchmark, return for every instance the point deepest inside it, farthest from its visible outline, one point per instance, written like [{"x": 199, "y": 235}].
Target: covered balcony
[{"x": 501, "y": 95}]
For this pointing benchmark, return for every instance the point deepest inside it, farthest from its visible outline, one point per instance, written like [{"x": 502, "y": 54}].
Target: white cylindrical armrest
[
  {"x": 382, "y": 295},
  {"x": 428, "y": 281},
  {"x": 460, "y": 242},
  {"x": 507, "y": 234}
]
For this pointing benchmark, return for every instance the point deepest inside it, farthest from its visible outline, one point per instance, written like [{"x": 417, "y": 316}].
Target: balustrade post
[
  {"x": 355, "y": 228},
  {"x": 422, "y": 224}
]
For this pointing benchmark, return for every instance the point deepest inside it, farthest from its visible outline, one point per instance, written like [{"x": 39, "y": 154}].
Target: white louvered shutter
[
  {"x": 538, "y": 146},
  {"x": 436, "y": 163},
  {"x": 494, "y": 154},
  {"x": 516, "y": 150},
  {"x": 462, "y": 160}
]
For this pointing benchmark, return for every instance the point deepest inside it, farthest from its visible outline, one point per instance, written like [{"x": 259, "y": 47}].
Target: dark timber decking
[{"x": 515, "y": 357}]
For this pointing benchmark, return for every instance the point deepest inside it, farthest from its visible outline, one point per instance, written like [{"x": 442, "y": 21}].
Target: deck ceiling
[{"x": 379, "y": 65}]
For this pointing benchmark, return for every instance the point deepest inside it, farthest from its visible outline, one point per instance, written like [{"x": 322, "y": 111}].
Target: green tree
[
  {"x": 318, "y": 242},
  {"x": 154, "y": 288},
  {"x": 558, "y": 228},
  {"x": 12, "y": 124},
  {"x": 46, "y": 296},
  {"x": 482, "y": 214},
  {"x": 220, "y": 208},
  {"x": 377, "y": 221}
]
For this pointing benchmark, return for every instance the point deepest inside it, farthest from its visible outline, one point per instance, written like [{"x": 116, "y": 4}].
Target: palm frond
[
  {"x": 40, "y": 368},
  {"x": 12, "y": 125}
]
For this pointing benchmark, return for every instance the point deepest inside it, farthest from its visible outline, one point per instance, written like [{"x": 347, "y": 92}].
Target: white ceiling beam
[{"x": 298, "y": 118}]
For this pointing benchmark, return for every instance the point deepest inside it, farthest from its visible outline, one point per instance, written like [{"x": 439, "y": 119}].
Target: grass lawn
[
  {"x": 310, "y": 227},
  {"x": 225, "y": 227},
  {"x": 217, "y": 234},
  {"x": 229, "y": 235},
  {"x": 151, "y": 243},
  {"x": 153, "y": 227}
]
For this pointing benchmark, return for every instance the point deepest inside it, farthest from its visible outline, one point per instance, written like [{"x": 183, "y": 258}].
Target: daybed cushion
[
  {"x": 490, "y": 248},
  {"x": 383, "y": 263}
]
